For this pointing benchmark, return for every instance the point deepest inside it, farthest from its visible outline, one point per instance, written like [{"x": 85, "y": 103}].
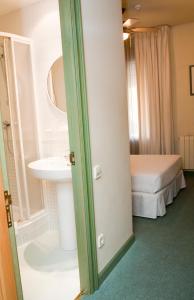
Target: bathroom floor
[{"x": 47, "y": 272}]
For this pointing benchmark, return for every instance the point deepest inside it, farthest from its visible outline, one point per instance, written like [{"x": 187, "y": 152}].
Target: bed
[{"x": 156, "y": 181}]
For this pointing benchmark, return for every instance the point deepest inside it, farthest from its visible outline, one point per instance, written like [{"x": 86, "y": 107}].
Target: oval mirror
[{"x": 56, "y": 84}]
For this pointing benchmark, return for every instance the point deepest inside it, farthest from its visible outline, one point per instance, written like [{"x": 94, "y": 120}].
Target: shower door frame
[{"x": 13, "y": 95}]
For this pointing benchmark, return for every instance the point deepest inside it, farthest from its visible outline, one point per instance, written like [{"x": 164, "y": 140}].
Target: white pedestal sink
[{"x": 57, "y": 169}]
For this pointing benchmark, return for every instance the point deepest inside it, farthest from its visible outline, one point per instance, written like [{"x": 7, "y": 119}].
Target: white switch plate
[
  {"x": 100, "y": 240},
  {"x": 97, "y": 172}
]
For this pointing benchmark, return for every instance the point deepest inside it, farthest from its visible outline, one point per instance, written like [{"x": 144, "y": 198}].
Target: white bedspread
[
  {"x": 151, "y": 173},
  {"x": 154, "y": 205}
]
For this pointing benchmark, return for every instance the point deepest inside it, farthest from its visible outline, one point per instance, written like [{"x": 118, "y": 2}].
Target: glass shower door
[{"x": 23, "y": 124}]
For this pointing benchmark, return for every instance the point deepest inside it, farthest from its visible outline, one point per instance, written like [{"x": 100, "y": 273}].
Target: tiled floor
[{"x": 47, "y": 272}]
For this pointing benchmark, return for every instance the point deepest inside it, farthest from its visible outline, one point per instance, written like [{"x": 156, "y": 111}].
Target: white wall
[
  {"x": 41, "y": 23},
  {"x": 104, "y": 57},
  {"x": 182, "y": 49}
]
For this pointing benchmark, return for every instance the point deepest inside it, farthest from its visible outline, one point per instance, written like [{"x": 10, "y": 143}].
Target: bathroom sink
[
  {"x": 52, "y": 168},
  {"x": 58, "y": 170}
]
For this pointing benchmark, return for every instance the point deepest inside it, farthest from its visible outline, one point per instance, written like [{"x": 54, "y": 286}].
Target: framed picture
[{"x": 191, "y": 72}]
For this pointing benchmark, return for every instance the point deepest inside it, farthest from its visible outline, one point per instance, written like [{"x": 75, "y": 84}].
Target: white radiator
[{"x": 186, "y": 150}]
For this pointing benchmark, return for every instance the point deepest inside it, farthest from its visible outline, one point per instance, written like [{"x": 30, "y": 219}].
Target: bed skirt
[{"x": 153, "y": 205}]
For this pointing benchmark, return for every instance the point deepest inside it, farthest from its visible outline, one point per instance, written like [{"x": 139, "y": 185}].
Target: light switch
[
  {"x": 101, "y": 240},
  {"x": 97, "y": 172}
]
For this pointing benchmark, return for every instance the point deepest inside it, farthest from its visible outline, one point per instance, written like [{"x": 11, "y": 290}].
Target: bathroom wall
[
  {"x": 182, "y": 49},
  {"x": 105, "y": 68}
]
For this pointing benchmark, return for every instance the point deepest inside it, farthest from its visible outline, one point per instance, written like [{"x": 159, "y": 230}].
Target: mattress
[{"x": 151, "y": 173}]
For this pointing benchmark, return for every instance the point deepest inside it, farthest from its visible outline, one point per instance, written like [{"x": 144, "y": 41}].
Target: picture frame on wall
[{"x": 191, "y": 74}]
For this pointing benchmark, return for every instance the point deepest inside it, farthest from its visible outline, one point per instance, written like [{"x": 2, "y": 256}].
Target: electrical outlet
[{"x": 101, "y": 240}]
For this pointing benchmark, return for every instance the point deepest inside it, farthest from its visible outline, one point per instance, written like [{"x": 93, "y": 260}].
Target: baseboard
[{"x": 116, "y": 258}]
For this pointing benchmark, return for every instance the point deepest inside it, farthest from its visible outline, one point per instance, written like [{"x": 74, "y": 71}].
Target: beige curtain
[
  {"x": 132, "y": 97},
  {"x": 154, "y": 91}
]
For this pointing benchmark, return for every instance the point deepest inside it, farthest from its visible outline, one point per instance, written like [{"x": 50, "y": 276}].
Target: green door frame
[{"x": 79, "y": 135}]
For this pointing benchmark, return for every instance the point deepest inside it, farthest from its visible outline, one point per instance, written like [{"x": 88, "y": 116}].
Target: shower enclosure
[{"x": 19, "y": 126}]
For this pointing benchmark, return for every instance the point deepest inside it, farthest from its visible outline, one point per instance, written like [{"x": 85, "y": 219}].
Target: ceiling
[
  {"x": 152, "y": 13},
  {"x": 159, "y": 12},
  {"x": 7, "y": 6}
]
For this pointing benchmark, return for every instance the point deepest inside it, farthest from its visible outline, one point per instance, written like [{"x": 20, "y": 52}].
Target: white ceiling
[
  {"x": 7, "y": 6},
  {"x": 152, "y": 13},
  {"x": 158, "y": 12}
]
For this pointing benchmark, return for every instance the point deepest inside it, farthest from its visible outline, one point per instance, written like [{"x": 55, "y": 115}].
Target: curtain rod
[{"x": 144, "y": 29}]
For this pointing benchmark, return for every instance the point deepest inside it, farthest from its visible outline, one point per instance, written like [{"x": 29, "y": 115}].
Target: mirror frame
[{"x": 47, "y": 90}]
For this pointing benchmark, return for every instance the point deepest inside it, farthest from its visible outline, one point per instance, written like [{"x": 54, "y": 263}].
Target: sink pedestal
[{"x": 66, "y": 215}]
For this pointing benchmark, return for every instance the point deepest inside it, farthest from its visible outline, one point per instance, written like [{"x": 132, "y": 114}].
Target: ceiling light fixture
[
  {"x": 129, "y": 23},
  {"x": 138, "y": 7}
]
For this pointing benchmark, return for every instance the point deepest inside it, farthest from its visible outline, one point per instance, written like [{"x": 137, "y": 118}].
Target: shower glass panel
[
  {"x": 20, "y": 126},
  {"x": 7, "y": 134},
  {"x": 28, "y": 122}
]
